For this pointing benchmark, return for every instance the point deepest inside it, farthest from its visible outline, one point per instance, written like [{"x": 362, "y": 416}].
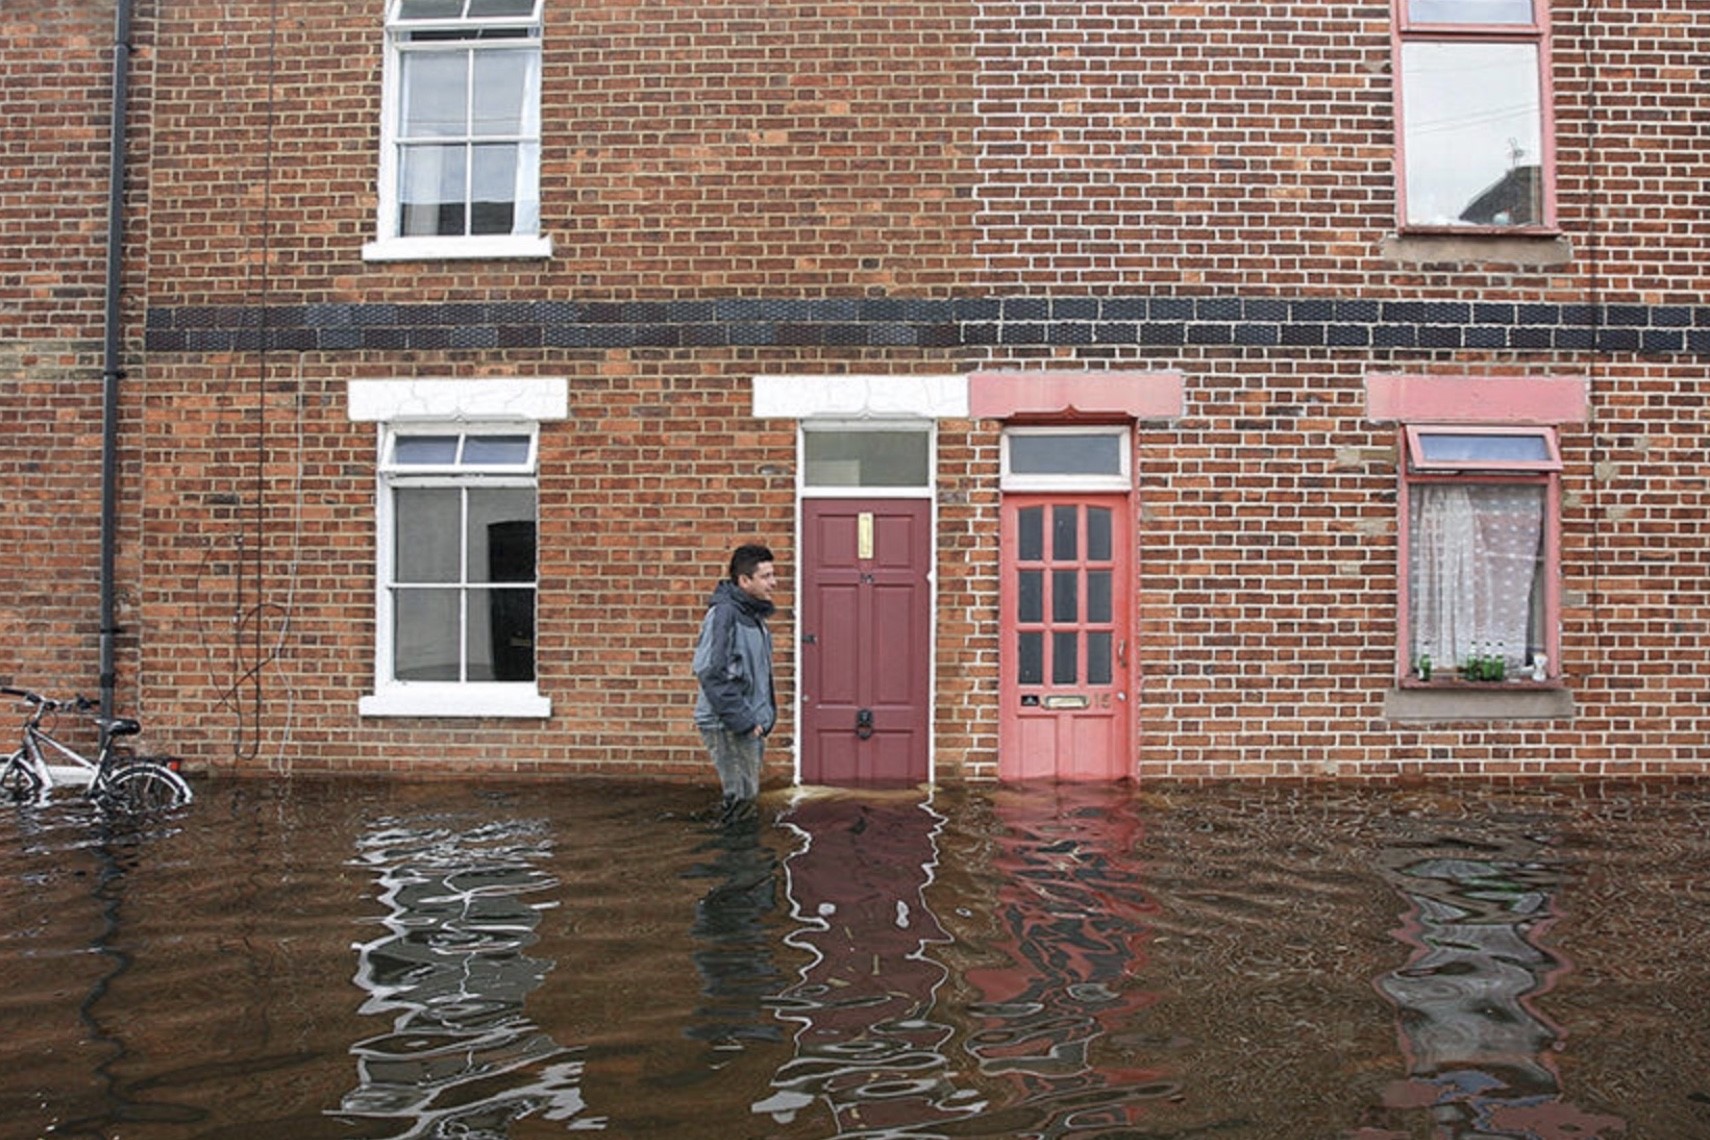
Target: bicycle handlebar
[{"x": 80, "y": 702}]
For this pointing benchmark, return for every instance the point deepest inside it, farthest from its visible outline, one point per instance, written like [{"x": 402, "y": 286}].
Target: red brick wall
[
  {"x": 960, "y": 154},
  {"x": 1244, "y": 150},
  {"x": 56, "y": 100}
]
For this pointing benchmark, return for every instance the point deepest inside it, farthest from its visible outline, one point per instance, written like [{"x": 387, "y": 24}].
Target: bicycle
[{"x": 114, "y": 778}]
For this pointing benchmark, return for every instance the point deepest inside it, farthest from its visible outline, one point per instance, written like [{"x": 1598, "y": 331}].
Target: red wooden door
[
  {"x": 1064, "y": 674},
  {"x": 866, "y": 641}
]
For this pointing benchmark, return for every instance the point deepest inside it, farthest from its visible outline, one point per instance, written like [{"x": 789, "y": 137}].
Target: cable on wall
[{"x": 260, "y": 627}]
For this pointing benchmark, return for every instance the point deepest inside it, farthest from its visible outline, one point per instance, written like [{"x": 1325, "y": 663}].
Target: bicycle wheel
[
  {"x": 142, "y": 787},
  {"x": 18, "y": 779}
]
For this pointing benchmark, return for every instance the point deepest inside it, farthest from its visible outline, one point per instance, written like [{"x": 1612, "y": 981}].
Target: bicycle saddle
[{"x": 120, "y": 726}]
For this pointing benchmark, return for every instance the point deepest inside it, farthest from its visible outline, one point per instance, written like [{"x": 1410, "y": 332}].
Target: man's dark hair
[{"x": 747, "y": 557}]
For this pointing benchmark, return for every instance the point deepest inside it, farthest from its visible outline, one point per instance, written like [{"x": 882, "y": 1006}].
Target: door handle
[{"x": 864, "y": 723}]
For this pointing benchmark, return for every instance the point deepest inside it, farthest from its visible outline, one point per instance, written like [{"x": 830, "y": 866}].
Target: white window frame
[
  {"x": 1027, "y": 481},
  {"x": 515, "y": 406},
  {"x": 440, "y": 698},
  {"x": 390, "y": 244}
]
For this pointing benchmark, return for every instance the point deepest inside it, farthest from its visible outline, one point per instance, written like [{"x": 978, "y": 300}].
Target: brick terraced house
[{"x": 1129, "y": 389}]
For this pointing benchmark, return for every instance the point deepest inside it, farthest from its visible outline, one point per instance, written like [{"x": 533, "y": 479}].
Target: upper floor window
[
  {"x": 460, "y": 159},
  {"x": 1474, "y": 145}
]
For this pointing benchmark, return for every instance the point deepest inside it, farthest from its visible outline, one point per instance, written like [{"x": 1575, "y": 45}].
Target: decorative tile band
[{"x": 976, "y": 322}]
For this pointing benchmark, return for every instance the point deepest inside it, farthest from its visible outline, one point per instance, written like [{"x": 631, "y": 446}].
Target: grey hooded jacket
[{"x": 733, "y": 661}]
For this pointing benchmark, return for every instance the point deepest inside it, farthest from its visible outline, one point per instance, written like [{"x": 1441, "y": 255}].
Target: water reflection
[
  {"x": 733, "y": 951},
  {"x": 116, "y": 847},
  {"x": 980, "y": 964},
  {"x": 870, "y": 1042},
  {"x": 1060, "y": 1012},
  {"x": 1480, "y": 1053},
  {"x": 461, "y": 1057}
]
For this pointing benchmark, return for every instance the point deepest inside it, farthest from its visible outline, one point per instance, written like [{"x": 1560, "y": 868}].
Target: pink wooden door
[
  {"x": 866, "y": 640},
  {"x": 1064, "y": 674}
]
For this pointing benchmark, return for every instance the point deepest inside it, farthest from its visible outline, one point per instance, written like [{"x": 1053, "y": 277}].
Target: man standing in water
[{"x": 733, "y": 662}]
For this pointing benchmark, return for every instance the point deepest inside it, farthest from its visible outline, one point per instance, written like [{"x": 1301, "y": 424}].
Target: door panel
[
  {"x": 1064, "y": 673},
  {"x": 838, "y": 624},
  {"x": 866, "y": 640}
]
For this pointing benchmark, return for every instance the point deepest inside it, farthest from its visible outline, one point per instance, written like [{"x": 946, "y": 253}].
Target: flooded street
[{"x": 367, "y": 960}]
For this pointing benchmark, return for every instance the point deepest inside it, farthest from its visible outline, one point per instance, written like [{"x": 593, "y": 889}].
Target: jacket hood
[{"x": 730, "y": 593}]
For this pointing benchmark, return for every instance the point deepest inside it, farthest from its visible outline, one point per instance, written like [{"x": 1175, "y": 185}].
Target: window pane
[
  {"x": 1030, "y": 601},
  {"x": 1470, "y": 11},
  {"x": 1475, "y": 571},
  {"x": 495, "y": 450},
  {"x": 435, "y": 95},
  {"x": 1065, "y": 596},
  {"x": 1065, "y": 667},
  {"x": 1473, "y": 133},
  {"x": 432, "y": 184},
  {"x": 425, "y": 450},
  {"x": 1098, "y": 534},
  {"x": 501, "y": 635},
  {"x": 1065, "y": 533},
  {"x": 1098, "y": 659},
  {"x": 429, "y": 9},
  {"x": 501, "y": 534},
  {"x": 1441, "y": 447},
  {"x": 493, "y": 210},
  {"x": 428, "y": 528},
  {"x": 867, "y": 458},
  {"x": 1098, "y": 595},
  {"x": 1031, "y": 659},
  {"x": 487, "y": 9},
  {"x": 1030, "y": 521},
  {"x": 425, "y": 635},
  {"x": 1065, "y": 453},
  {"x": 501, "y": 86}
]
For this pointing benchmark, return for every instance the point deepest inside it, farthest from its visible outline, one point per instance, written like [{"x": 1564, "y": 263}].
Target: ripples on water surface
[{"x": 359, "y": 960}]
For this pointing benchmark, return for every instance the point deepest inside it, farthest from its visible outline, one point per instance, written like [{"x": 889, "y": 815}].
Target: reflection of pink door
[
  {"x": 1064, "y": 663},
  {"x": 865, "y": 640},
  {"x": 1057, "y": 989}
]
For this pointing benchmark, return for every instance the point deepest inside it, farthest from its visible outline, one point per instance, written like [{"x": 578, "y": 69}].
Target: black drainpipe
[{"x": 112, "y": 368}]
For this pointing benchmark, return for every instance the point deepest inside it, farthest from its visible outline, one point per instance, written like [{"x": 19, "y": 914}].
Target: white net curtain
[{"x": 1474, "y": 571}]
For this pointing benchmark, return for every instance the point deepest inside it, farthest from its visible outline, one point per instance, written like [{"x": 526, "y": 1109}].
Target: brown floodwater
[{"x": 305, "y": 959}]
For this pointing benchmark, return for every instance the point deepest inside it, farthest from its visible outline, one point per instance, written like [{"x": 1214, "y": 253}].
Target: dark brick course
[{"x": 1114, "y": 321}]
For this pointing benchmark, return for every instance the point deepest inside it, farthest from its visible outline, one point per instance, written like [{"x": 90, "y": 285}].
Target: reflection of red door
[
  {"x": 1064, "y": 663},
  {"x": 865, "y": 640}
]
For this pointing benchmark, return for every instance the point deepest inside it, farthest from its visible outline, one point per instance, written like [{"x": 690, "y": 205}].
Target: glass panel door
[{"x": 1065, "y": 615}]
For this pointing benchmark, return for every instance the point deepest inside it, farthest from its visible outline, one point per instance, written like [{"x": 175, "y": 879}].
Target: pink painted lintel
[
  {"x": 1477, "y": 399},
  {"x": 1082, "y": 395}
]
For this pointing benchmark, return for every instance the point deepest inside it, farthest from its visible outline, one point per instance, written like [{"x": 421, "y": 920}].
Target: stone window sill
[
  {"x": 450, "y": 700},
  {"x": 1470, "y": 700},
  {"x": 1477, "y": 249},
  {"x": 497, "y": 247}
]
